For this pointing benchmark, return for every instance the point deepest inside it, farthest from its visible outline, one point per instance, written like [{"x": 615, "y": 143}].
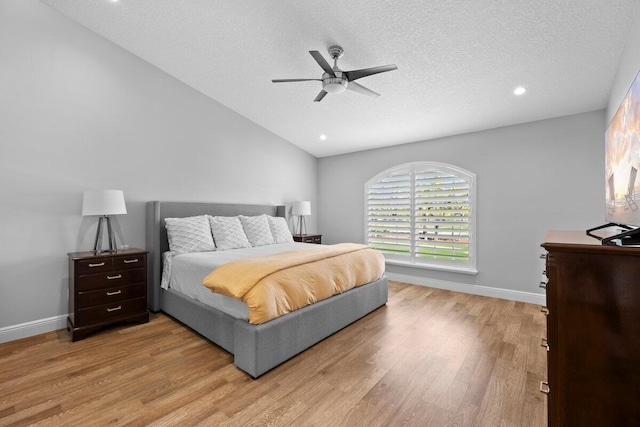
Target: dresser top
[
  {"x": 120, "y": 252},
  {"x": 578, "y": 241}
]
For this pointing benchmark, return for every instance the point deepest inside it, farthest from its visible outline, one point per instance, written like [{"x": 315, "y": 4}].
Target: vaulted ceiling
[{"x": 458, "y": 61}]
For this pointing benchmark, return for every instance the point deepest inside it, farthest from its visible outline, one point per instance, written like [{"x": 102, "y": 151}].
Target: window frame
[{"x": 469, "y": 267}]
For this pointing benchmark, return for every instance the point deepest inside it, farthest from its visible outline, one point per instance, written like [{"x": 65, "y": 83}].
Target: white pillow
[
  {"x": 228, "y": 232},
  {"x": 257, "y": 230},
  {"x": 190, "y": 234},
  {"x": 279, "y": 229}
]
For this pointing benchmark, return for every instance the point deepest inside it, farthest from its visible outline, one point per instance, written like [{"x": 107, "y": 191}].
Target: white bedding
[{"x": 184, "y": 273}]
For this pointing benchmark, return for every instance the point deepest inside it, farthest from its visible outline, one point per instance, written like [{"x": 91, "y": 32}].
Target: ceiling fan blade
[
  {"x": 358, "y": 74},
  {"x": 322, "y": 62},
  {"x": 320, "y": 96},
  {"x": 361, "y": 89},
  {"x": 295, "y": 80}
]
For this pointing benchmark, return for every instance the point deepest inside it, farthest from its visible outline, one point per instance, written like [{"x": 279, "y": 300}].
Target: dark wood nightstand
[
  {"x": 106, "y": 288},
  {"x": 308, "y": 238}
]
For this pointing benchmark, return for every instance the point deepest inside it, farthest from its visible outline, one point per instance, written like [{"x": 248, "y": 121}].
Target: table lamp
[
  {"x": 301, "y": 209},
  {"x": 103, "y": 203}
]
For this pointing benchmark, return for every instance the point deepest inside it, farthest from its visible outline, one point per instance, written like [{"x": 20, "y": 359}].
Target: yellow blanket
[{"x": 274, "y": 285}]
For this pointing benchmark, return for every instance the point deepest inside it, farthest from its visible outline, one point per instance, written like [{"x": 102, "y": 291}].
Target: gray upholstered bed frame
[{"x": 256, "y": 348}]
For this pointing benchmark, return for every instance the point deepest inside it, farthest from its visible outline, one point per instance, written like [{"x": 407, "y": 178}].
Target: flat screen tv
[{"x": 622, "y": 160}]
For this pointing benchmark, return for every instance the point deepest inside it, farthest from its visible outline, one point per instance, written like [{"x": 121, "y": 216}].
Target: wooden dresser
[
  {"x": 593, "y": 332},
  {"x": 105, "y": 289}
]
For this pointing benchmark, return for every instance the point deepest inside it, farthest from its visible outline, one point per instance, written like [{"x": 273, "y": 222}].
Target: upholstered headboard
[{"x": 157, "y": 242}]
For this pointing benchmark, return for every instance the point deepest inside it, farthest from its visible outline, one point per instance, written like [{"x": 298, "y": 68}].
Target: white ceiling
[{"x": 458, "y": 60}]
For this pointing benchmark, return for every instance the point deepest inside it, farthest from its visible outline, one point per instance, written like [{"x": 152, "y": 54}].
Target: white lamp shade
[
  {"x": 103, "y": 202},
  {"x": 301, "y": 208}
]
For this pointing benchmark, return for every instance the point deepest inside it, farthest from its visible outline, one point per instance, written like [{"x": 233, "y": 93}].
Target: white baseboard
[
  {"x": 28, "y": 329},
  {"x": 486, "y": 291}
]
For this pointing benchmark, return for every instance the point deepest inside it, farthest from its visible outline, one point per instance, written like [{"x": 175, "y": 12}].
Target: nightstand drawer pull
[
  {"x": 119, "y": 276},
  {"x": 544, "y": 387},
  {"x": 545, "y": 310},
  {"x": 114, "y": 309},
  {"x": 543, "y": 285},
  {"x": 118, "y": 292},
  {"x": 543, "y": 256},
  {"x": 100, "y": 264},
  {"x": 130, "y": 261}
]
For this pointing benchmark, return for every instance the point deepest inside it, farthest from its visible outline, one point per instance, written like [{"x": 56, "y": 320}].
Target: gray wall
[
  {"x": 78, "y": 112},
  {"x": 628, "y": 67},
  {"x": 531, "y": 177}
]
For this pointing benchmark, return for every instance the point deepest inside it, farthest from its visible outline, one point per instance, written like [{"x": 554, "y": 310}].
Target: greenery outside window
[{"x": 423, "y": 214}]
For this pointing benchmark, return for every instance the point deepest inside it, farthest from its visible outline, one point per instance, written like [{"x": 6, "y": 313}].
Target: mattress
[{"x": 184, "y": 273}]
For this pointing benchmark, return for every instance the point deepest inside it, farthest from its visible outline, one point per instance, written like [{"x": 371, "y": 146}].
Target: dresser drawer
[
  {"x": 91, "y": 266},
  {"x": 111, "y": 279},
  {"x": 131, "y": 261},
  {"x": 110, "y": 295},
  {"x": 109, "y": 312}
]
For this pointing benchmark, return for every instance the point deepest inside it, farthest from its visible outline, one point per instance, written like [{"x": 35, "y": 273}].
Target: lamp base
[
  {"x": 302, "y": 224},
  {"x": 97, "y": 247}
]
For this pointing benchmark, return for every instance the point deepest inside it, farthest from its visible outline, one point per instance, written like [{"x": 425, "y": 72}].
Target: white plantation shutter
[
  {"x": 389, "y": 214},
  {"x": 423, "y": 213}
]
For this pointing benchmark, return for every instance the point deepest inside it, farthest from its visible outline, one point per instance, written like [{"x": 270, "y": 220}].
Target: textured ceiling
[{"x": 458, "y": 60}]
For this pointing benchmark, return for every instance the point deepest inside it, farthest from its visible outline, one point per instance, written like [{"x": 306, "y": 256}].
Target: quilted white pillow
[
  {"x": 228, "y": 232},
  {"x": 257, "y": 230},
  {"x": 279, "y": 229},
  {"x": 190, "y": 234}
]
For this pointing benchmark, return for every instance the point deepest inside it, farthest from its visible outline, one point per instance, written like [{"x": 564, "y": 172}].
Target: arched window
[{"x": 423, "y": 214}]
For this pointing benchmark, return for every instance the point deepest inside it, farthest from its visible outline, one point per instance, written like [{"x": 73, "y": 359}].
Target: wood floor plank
[{"x": 429, "y": 357}]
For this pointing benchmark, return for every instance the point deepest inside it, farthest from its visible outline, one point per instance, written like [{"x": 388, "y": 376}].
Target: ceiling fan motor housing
[{"x": 336, "y": 84}]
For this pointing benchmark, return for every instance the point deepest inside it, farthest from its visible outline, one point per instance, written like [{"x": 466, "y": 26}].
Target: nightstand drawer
[
  {"x": 308, "y": 238},
  {"x": 108, "y": 312},
  {"x": 91, "y": 266},
  {"x": 131, "y": 261},
  {"x": 111, "y": 279},
  {"x": 110, "y": 295}
]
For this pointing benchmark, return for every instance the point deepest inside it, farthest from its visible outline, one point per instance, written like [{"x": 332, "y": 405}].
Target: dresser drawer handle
[
  {"x": 119, "y": 276},
  {"x": 543, "y": 285},
  {"x": 114, "y": 309},
  {"x": 544, "y": 387},
  {"x": 545, "y": 343},
  {"x": 118, "y": 292},
  {"x": 543, "y": 256},
  {"x": 100, "y": 264},
  {"x": 545, "y": 310},
  {"x": 130, "y": 261}
]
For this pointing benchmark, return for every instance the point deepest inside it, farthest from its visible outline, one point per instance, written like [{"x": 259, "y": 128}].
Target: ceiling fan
[{"x": 334, "y": 80}]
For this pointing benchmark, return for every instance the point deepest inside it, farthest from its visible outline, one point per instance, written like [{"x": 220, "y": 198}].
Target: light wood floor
[{"x": 428, "y": 358}]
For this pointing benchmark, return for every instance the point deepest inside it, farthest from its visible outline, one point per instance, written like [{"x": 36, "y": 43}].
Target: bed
[{"x": 256, "y": 348}]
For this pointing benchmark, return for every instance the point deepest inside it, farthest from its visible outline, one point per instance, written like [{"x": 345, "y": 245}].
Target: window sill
[{"x": 451, "y": 269}]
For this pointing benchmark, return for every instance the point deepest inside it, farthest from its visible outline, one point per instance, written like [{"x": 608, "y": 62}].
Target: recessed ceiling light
[
  {"x": 323, "y": 137},
  {"x": 520, "y": 90}
]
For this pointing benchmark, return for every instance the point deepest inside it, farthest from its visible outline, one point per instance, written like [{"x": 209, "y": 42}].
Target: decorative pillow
[
  {"x": 279, "y": 229},
  {"x": 190, "y": 234},
  {"x": 228, "y": 232},
  {"x": 257, "y": 230}
]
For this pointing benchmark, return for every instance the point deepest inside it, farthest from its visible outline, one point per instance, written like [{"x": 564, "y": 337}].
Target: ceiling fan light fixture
[{"x": 334, "y": 84}]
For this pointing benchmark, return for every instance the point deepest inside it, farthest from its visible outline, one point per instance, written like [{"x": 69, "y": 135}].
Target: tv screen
[{"x": 622, "y": 158}]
